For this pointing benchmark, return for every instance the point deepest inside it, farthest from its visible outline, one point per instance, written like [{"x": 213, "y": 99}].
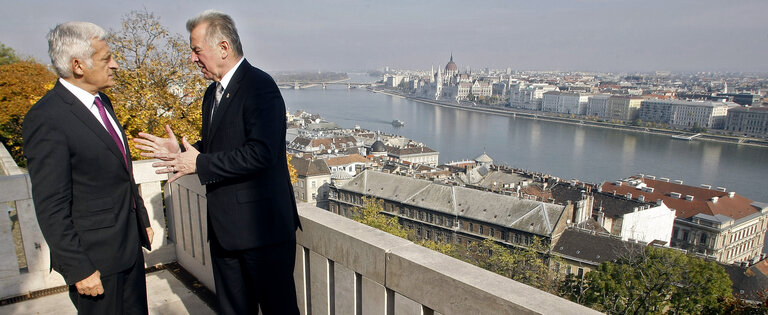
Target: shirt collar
[
  {"x": 80, "y": 94},
  {"x": 228, "y": 76}
]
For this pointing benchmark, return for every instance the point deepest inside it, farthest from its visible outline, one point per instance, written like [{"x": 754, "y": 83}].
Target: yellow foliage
[
  {"x": 291, "y": 170},
  {"x": 22, "y": 84},
  {"x": 156, "y": 84}
]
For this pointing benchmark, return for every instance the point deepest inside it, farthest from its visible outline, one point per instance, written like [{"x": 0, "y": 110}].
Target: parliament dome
[{"x": 451, "y": 66}]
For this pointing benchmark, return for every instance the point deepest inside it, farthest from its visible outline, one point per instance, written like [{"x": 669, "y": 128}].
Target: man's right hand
[
  {"x": 155, "y": 147},
  {"x": 91, "y": 285}
]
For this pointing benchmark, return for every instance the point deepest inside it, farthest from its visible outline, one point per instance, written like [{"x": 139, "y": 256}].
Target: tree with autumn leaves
[
  {"x": 156, "y": 84},
  {"x": 22, "y": 84}
]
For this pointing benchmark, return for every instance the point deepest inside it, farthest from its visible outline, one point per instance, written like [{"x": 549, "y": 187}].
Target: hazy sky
[{"x": 344, "y": 35}]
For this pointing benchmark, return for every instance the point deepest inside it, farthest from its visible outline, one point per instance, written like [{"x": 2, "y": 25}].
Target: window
[
  {"x": 301, "y": 183},
  {"x": 471, "y": 227},
  {"x": 517, "y": 238},
  {"x": 581, "y": 272},
  {"x": 685, "y": 236},
  {"x": 429, "y": 234},
  {"x": 703, "y": 239},
  {"x": 492, "y": 233},
  {"x": 480, "y": 229},
  {"x": 313, "y": 184},
  {"x": 314, "y": 196}
]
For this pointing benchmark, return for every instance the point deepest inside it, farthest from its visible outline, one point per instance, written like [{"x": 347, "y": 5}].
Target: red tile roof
[{"x": 736, "y": 207}]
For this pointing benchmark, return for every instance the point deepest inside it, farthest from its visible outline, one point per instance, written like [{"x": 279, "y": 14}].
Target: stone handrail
[
  {"x": 15, "y": 194},
  {"x": 342, "y": 266}
]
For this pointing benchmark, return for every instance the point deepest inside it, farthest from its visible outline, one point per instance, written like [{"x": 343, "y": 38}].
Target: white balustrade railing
[
  {"x": 342, "y": 267},
  {"x": 15, "y": 194}
]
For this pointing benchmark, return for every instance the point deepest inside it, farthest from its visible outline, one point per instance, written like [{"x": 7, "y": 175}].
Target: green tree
[
  {"x": 371, "y": 214},
  {"x": 528, "y": 265},
  {"x": 156, "y": 84},
  {"x": 654, "y": 280},
  {"x": 7, "y": 55}
]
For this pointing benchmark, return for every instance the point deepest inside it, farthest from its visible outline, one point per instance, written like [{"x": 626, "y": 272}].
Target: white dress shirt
[{"x": 88, "y": 100}]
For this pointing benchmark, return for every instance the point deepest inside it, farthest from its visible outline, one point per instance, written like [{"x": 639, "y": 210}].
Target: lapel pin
[{"x": 227, "y": 95}]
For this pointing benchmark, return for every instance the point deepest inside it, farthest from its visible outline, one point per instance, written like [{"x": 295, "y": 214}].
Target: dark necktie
[
  {"x": 217, "y": 98},
  {"x": 110, "y": 129}
]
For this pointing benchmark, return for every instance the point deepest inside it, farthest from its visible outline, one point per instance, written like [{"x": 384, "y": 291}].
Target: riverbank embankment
[{"x": 553, "y": 117}]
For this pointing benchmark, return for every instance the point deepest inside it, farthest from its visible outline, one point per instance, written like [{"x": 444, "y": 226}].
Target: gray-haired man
[{"x": 86, "y": 199}]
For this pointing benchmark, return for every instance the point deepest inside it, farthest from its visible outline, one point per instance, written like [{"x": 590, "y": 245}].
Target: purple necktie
[{"x": 110, "y": 129}]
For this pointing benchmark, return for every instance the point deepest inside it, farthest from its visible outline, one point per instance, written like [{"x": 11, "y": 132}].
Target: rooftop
[{"x": 706, "y": 201}]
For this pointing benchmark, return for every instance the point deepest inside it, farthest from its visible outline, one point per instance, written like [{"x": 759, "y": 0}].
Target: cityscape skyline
[{"x": 340, "y": 35}]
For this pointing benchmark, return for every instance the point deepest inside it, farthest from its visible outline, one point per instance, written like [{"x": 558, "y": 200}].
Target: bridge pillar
[
  {"x": 323, "y": 86},
  {"x": 296, "y": 85}
]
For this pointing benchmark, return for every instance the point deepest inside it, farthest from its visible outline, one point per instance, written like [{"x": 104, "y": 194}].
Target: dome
[
  {"x": 378, "y": 146},
  {"x": 484, "y": 159},
  {"x": 451, "y": 66}
]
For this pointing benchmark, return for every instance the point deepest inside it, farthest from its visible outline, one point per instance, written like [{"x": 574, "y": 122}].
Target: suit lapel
[
  {"x": 229, "y": 94},
  {"x": 87, "y": 118}
]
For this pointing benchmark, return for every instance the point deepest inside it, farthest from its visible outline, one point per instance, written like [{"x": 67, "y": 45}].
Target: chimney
[
  {"x": 689, "y": 197},
  {"x": 618, "y": 183},
  {"x": 714, "y": 199},
  {"x": 721, "y": 189},
  {"x": 678, "y": 181},
  {"x": 650, "y": 177},
  {"x": 731, "y": 194},
  {"x": 705, "y": 186},
  {"x": 628, "y": 195},
  {"x": 641, "y": 198},
  {"x": 675, "y": 195}
]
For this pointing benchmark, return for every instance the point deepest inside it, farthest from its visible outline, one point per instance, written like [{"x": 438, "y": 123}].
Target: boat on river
[{"x": 398, "y": 123}]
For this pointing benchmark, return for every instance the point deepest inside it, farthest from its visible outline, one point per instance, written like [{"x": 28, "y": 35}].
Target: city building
[
  {"x": 626, "y": 108},
  {"x": 350, "y": 164},
  {"x": 528, "y": 96},
  {"x": 453, "y": 214},
  {"x": 413, "y": 154},
  {"x": 325, "y": 145},
  {"x": 744, "y": 99},
  {"x": 711, "y": 222},
  {"x": 749, "y": 121},
  {"x": 564, "y": 102},
  {"x": 583, "y": 251},
  {"x": 598, "y": 105},
  {"x": 313, "y": 182},
  {"x": 685, "y": 114}
]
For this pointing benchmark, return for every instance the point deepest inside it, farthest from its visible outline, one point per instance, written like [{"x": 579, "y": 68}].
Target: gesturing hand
[
  {"x": 91, "y": 285},
  {"x": 157, "y": 147},
  {"x": 179, "y": 164}
]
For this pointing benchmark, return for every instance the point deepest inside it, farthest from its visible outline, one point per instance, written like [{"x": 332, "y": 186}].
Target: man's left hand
[{"x": 178, "y": 164}]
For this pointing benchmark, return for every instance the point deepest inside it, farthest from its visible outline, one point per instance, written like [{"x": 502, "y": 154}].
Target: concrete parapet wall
[
  {"x": 355, "y": 267},
  {"x": 16, "y": 194}
]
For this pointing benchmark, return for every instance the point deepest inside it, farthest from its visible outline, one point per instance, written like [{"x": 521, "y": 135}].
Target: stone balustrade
[{"x": 342, "y": 267}]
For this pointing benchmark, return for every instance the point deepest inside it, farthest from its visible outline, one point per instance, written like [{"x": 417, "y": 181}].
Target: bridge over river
[{"x": 300, "y": 84}]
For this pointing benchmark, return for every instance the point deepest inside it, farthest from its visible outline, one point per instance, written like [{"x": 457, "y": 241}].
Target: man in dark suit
[
  {"x": 86, "y": 199},
  {"x": 241, "y": 159}
]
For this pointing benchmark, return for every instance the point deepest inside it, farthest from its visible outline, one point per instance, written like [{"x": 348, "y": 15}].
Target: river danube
[{"x": 567, "y": 151}]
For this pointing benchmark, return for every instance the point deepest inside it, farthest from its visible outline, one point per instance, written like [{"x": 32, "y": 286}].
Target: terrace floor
[{"x": 166, "y": 294}]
